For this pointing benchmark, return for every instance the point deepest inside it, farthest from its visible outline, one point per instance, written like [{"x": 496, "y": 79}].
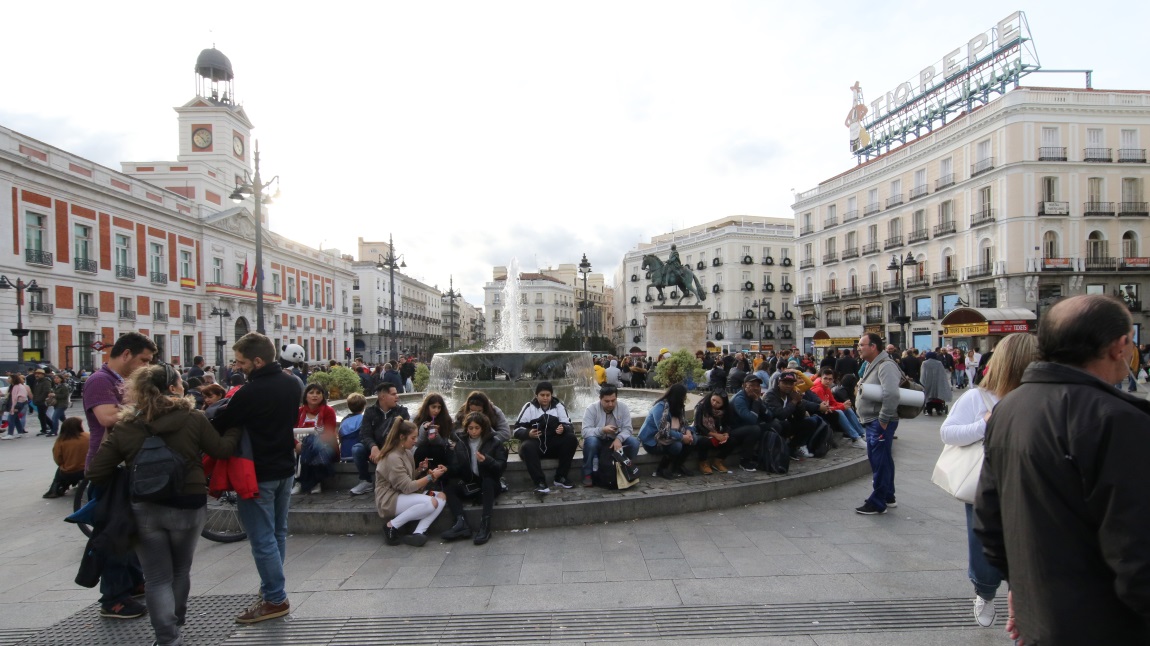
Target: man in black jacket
[
  {"x": 847, "y": 365},
  {"x": 793, "y": 413},
  {"x": 377, "y": 421},
  {"x": 267, "y": 407},
  {"x": 1061, "y": 506}
]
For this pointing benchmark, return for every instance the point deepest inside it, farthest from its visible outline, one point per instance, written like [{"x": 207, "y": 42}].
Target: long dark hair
[
  {"x": 475, "y": 397},
  {"x": 676, "y": 398},
  {"x": 71, "y": 428},
  {"x": 704, "y": 406},
  {"x": 484, "y": 423},
  {"x": 442, "y": 420}
]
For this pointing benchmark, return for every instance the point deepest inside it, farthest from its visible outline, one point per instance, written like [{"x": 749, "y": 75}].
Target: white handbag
[{"x": 958, "y": 468}]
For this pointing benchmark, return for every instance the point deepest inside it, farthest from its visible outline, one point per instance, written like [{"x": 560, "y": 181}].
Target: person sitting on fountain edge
[
  {"x": 544, "y": 430},
  {"x": 606, "y": 421}
]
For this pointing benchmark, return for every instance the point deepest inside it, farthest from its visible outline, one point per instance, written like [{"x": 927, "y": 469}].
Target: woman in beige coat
[{"x": 398, "y": 483}]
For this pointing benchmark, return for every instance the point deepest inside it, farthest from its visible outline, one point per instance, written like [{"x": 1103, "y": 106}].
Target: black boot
[
  {"x": 484, "y": 533},
  {"x": 415, "y": 540},
  {"x": 391, "y": 535},
  {"x": 677, "y": 465},
  {"x": 458, "y": 530},
  {"x": 664, "y": 468}
]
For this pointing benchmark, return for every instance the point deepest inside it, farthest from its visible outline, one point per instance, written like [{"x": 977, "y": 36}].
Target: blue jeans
[
  {"x": 878, "y": 451},
  {"x": 985, "y": 577},
  {"x": 265, "y": 521},
  {"x": 849, "y": 421},
  {"x": 16, "y": 420},
  {"x": 591, "y": 446},
  {"x": 58, "y": 415},
  {"x": 360, "y": 454}
]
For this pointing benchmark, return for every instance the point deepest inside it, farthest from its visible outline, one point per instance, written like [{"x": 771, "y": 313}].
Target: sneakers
[
  {"x": 317, "y": 489},
  {"x": 705, "y": 467},
  {"x": 748, "y": 465},
  {"x": 869, "y": 510},
  {"x": 984, "y": 611},
  {"x": 126, "y": 609},
  {"x": 52, "y": 493},
  {"x": 562, "y": 483},
  {"x": 892, "y": 502},
  {"x": 542, "y": 488},
  {"x": 363, "y": 487},
  {"x": 262, "y": 611},
  {"x": 804, "y": 453},
  {"x": 296, "y": 489},
  {"x": 415, "y": 540},
  {"x": 858, "y": 443},
  {"x": 719, "y": 466},
  {"x": 587, "y": 482}
]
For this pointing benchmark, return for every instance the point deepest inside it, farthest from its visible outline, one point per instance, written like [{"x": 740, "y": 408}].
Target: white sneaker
[
  {"x": 363, "y": 487},
  {"x": 296, "y": 489},
  {"x": 317, "y": 490},
  {"x": 805, "y": 453},
  {"x": 7, "y": 437},
  {"x": 858, "y": 443},
  {"x": 984, "y": 611}
]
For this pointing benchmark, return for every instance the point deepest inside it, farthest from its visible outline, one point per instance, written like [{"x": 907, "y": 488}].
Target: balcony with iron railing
[
  {"x": 125, "y": 272},
  {"x": 850, "y": 252},
  {"x": 893, "y": 242},
  {"x": 306, "y": 303},
  {"x": 1097, "y": 155},
  {"x": 1101, "y": 263},
  {"x": 806, "y": 263},
  {"x": 806, "y": 299},
  {"x": 982, "y": 166},
  {"x": 945, "y": 228},
  {"x": 291, "y": 300},
  {"x": 854, "y": 317},
  {"x": 810, "y": 321},
  {"x": 871, "y": 289},
  {"x": 40, "y": 307},
  {"x": 944, "y": 181},
  {"x": 834, "y": 319},
  {"x": 160, "y": 317},
  {"x": 830, "y": 295},
  {"x": 1052, "y": 153},
  {"x": 1132, "y": 155},
  {"x": 357, "y": 309},
  {"x": 830, "y": 257},
  {"x": 873, "y": 318},
  {"x": 872, "y": 208},
  {"x": 807, "y": 229},
  {"x": 830, "y": 221},
  {"x": 1133, "y": 208},
  {"x": 189, "y": 319},
  {"x": 890, "y": 286},
  {"x": 1097, "y": 209},
  {"x": 949, "y": 276},
  {"x": 86, "y": 265},
  {"x": 982, "y": 217},
  {"x": 849, "y": 292},
  {"x": 918, "y": 235},
  {"x": 127, "y": 315},
  {"x": 870, "y": 247},
  {"x": 921, "y": 315},
  {"x": 894, "y": 200},
  {"x": 158, "y": 278},
  {"x": 917, "y": 282},
  {"x": 980, "y": 271},
  {"x": 87, "y": 311},
  {"x": 850, "y": 216},
  {"x": 38, "y": 257}
]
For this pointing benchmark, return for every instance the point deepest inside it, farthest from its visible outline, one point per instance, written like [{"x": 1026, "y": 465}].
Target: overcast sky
[{"x": 478, "y": 131}]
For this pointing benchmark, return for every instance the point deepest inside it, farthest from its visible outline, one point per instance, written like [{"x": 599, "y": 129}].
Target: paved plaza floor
[{"x": 804, "y": 570}]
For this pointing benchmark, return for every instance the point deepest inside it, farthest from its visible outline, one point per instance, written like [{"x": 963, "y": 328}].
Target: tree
[
  {"x": 570, "y": 339},
  {"x": 339, "y": 382},
  {"x": 422, "y": 376},
  {"x": 680, "y": 367}
]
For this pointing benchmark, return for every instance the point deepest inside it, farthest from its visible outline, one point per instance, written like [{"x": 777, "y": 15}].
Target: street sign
[{"x": 98, "y": 345}]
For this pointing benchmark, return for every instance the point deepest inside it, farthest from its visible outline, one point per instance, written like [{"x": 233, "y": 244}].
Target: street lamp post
[
  {"x": 255, "y": 187},
  {"x": 899, "y": 268},
  {"x": 391, "y": 262},
  {"x": 759, "y": 305},
  {"x": 585, "y": 269},
  {"x": 19, "y": 332},
  {"x": 220, "y": 341},
  {"x": 451, "y": 296}
]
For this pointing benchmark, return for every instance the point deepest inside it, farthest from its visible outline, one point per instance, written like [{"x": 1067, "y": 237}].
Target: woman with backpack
[{"x": 169, "y": 523}]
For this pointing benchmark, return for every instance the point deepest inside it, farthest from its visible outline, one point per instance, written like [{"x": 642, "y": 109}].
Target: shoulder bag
[{"x": 958, "y": 468}]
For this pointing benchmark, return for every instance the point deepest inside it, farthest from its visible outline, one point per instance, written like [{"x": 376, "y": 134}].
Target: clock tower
[{"x": 213, "y": 128}]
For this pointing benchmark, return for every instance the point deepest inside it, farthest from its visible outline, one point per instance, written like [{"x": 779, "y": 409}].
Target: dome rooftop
[{"x": 213, "y": 65}]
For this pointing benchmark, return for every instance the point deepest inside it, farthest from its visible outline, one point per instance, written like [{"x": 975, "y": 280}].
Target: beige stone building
[{"x": 1036, "y": 196}]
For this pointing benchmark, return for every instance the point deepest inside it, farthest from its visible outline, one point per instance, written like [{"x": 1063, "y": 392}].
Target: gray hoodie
[
  {"x": 612, "y": 374},
  {"x": 884, "y": 372}
]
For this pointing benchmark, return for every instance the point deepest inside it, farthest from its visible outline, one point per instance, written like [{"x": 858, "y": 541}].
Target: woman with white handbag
[{"x": 959, "y": 465}]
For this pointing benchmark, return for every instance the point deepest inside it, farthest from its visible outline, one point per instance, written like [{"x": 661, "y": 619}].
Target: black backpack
[
  {"x": 612, "y": 464},
  {"x": 774, "y": 455},
  {"x": 821, "y": 440},
  {"x": 157, "y": 471}
]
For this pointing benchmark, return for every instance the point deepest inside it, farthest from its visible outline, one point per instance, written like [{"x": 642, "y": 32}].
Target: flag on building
[{"x": 244, "y": 280}]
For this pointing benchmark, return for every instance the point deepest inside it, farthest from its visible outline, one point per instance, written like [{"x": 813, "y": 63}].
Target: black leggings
[
  {"x": 457, "y": 491},
  {"x": 63, "y": 480}
]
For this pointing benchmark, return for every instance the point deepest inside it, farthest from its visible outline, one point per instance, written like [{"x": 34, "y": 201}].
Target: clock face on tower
[
  {"x": 202, "y": 138},
  {"x": 238, "y": 145}
]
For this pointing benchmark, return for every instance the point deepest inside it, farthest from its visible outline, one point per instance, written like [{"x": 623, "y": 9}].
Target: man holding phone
[{"x": 544, "y": 430}]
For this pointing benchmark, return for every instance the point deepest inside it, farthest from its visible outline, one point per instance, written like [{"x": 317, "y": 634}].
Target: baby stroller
[{"x": 936, "y": 407}]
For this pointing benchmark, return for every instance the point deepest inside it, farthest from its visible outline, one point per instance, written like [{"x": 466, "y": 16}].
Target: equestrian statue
[{"x": 672, "y": 274}]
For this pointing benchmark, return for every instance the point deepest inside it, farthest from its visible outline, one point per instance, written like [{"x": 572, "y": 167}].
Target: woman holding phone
[
  {"x": 434, "y": 424},
  {"x": 398, "y": 483}
]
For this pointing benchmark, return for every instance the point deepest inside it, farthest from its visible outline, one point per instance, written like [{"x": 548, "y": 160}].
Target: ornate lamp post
[
  {"x": 254, "y": 186},
  {"x": 19, "y": 332},
  {"x": 391, "y": 262},
  {"x": 585, "y": 269},
  {"x": 899, "y": 268},
  {"x": 220, "y": 341},
  {"x": 452, "y": 295},
  {"x": 759, "y": 305}
]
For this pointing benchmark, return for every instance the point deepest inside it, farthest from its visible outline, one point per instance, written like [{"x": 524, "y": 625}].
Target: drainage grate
[
  {"x": 648, "y": 624},
  {"x": 211, "y": 619}
]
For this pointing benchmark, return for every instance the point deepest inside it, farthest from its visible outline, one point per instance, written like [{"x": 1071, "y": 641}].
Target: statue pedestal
[{"x": 676, "y": 328}]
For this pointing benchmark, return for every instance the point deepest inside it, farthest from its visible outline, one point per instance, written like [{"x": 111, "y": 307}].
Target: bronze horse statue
[{"x": 670, "y": 275}]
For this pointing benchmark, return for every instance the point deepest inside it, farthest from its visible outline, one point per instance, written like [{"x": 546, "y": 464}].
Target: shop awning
[{"x": 983, "y": 321}]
